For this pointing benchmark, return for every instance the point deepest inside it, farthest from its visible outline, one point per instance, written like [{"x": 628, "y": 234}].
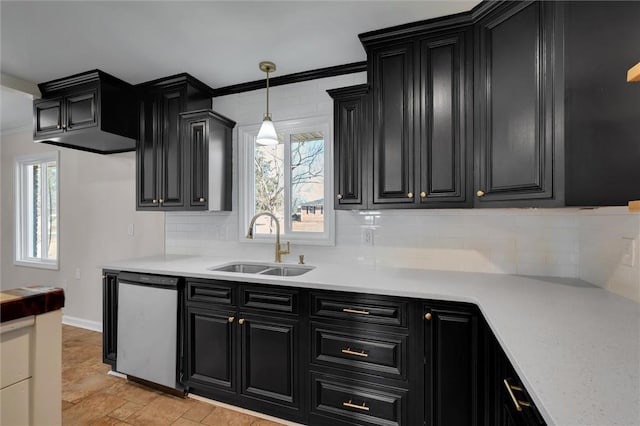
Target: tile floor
[{"x": 91, "y": 397}]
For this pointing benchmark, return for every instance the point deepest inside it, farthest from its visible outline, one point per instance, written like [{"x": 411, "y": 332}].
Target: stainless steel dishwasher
[{"x": 148, "y": 328}]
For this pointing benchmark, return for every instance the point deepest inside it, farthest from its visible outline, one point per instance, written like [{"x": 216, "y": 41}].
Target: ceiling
[{"x": 218, "y": 42}]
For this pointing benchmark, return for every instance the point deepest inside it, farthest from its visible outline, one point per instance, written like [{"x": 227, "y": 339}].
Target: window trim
[
  {"x": 19, "y": 256},
  {"x": 246, "y": 140}
]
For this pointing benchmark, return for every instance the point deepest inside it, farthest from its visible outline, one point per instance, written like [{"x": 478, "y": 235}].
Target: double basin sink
[{"x": 264, "y": 269}]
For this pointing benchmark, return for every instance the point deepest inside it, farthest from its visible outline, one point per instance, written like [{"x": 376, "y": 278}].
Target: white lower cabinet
[{"x": 14, "y": 401}]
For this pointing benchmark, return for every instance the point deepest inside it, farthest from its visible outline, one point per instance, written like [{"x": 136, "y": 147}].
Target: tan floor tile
[
  {"x": 132, "y": 392},
  {"x": 91, "y": 409},
  {"x": 126, "y": 410},
  {"x": 66, "y": 404},
  {"x": 263, "y": 422},
  {"x": 224, "y": 417},
  {"x": 185, "y": 422},
  {"x": 85, "y": 386},
  {"x": 105, "y": 421},
  {"x": 163, "y": 410},
  {"x": 198, "y": 410}
]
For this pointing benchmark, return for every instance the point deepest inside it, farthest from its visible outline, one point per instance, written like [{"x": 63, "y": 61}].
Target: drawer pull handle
[
  {"x": 362, "y": 407},
  {"x": 348, "y": 351},
  {"x": 355, "y": 311},
  {"x": 518, "y": 404}
]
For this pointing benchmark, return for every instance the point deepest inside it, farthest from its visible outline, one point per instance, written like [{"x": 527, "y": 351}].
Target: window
[
  {"x": 291, "y": 180},
  {"x": 37, "y": 211}
]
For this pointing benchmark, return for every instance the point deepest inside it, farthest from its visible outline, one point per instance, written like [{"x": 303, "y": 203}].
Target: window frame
[
  {"x": 246, "y": 181},
  {"x": 20, "y": 246}
]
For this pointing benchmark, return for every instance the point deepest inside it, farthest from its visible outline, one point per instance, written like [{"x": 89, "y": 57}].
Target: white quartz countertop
[{"x": 575, "y": 346}]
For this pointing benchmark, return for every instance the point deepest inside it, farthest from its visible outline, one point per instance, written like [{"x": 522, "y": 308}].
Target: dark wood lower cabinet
[
  {"x": 109, "y": 317},
  {"x": 451, "y": 366},
  {"x": 335, "y": 358}
]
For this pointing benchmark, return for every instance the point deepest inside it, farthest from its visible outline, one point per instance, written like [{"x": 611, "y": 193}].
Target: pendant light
[{"x": 267, "y": 134}]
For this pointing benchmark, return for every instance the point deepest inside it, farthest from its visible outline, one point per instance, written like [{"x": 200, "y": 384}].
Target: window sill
[{"x": 37, "y": 264}]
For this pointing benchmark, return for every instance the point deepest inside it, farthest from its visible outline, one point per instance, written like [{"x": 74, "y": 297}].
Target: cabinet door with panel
[
  {"x": 269, "y": 358},
  {"x": 81, "y": 110},
  {"x": 48, "y": 117},
  {"x": 171, "y": 103},
  {"x": 147, "y": 155},
  {"x": 443, "y": 149},
  {"x": 211, "y": 353},
  {"x": 350, "y": 146},
  {"x": 393, "y": 125},
  {"x": 514, "y": 107},
  {"x": 109, "y": 317},
  {"x": 451, "y": 366}
]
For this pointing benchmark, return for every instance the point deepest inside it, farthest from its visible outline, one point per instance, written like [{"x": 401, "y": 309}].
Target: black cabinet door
[
  {"x": 350, "y": 152},
  {"x": 198, "y": 159},
  {"x": 171, "y": 104},
  {"x": 443, "y": 102},
  {"x": 393, "y": 121},
  {"x": 147, "y": 155},
  {"x": 48, "y": 117},
  {"x": 514, "y": 104},
  {"x": 109, "y": 318},
  {"x": 211, "y": 355},
  {"x": 451, "y": 367},
  {"x": 269, "y": 359},
  {"x": 81, "y": 110}
]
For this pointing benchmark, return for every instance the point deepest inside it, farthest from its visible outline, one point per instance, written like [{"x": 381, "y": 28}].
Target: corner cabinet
[
  {"x": 517, "y": 104},
  {"x": 164, "y": 151}
]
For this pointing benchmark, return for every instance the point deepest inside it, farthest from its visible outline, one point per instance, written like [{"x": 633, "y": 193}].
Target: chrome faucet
[{"x": 279, "y": 251}]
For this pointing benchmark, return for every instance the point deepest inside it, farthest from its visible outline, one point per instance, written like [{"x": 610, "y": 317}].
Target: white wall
[
  {"x": 97, "y": 202},
  {"x": 573, "y": 243}
]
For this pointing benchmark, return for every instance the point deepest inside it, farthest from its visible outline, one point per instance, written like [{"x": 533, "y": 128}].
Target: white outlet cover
[{"x": 130, "y": 230}]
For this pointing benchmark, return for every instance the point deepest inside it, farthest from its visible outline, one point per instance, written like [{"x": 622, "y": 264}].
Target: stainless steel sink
[
  {"x": 242, "y": 268},
  {"x": 287, "y": 271},
  {"x": 264, "y": 269}
]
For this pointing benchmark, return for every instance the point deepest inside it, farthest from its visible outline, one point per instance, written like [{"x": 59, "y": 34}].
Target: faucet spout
[{"x": 279, "y": 251}]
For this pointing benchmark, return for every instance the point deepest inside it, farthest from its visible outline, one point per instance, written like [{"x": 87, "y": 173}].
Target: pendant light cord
[{"x": 267, "y": 114}]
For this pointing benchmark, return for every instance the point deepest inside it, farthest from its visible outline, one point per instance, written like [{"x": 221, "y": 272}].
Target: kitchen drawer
[
  {"x": 376, "y": 353},
  {"x": 15, "y": 349},
  {"x": 269, "y": 299},
  {"x": 335, "y": 400},
  {"x": 210, "y": 291},
  {"x": 389, "y": 311},
  {"x": 14, "y": 401}
]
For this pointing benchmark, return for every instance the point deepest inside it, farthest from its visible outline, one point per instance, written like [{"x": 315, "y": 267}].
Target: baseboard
[{"x": 82, "y": 323}]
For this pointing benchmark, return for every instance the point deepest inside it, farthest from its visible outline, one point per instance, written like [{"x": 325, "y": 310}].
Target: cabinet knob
[
  {"x": 480, "y": 193},
  {"x": 427, "y": 316},
  {"x": 231, "y": 319},
  {"x": 241, "y": 321},
  {"x": 201, "y": 200},
  {"x": 58, "y": 126},
  {"x": 423, "y": 194},
  {"x": 339, "y": 196},
  {"x": 161, "y": 200},
  {"x": 410, "y": 195},
  {"x": 154, "y": 201},
  {"x": 64, "y": 126}
]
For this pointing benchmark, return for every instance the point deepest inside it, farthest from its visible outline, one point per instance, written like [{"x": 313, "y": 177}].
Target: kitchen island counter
[{"x": 575, "y": 346}]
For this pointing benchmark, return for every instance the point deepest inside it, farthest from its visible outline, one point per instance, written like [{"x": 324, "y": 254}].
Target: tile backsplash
[{"x": 587, "y": 244}]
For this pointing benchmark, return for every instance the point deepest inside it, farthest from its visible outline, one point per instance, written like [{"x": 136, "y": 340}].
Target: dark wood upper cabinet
[
  {"x": 393, "y": 150},
  {"x": 515, "y": 139},
  {"x": 206, "y": 140},
  {"x": 444, "y": 140},
  {"x": 169, "y": 150},
  {"x": 92, "y": 111},
  {"x": 350, "y": 146}
]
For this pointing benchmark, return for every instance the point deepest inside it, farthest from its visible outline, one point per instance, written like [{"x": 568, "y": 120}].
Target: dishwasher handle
[{"x": 149, "y": 280}]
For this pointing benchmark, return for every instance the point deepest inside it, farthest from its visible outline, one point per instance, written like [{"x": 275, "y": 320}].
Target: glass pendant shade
[{"x": 267, "y": 134}]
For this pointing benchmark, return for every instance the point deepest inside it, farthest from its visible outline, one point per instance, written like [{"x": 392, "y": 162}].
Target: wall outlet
[
  {"x": 367, "y": 237},
  {"x": 77, "y": 273},
  {"x": 629, "y": 251},
  {"x": 130, "y": 230}
]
